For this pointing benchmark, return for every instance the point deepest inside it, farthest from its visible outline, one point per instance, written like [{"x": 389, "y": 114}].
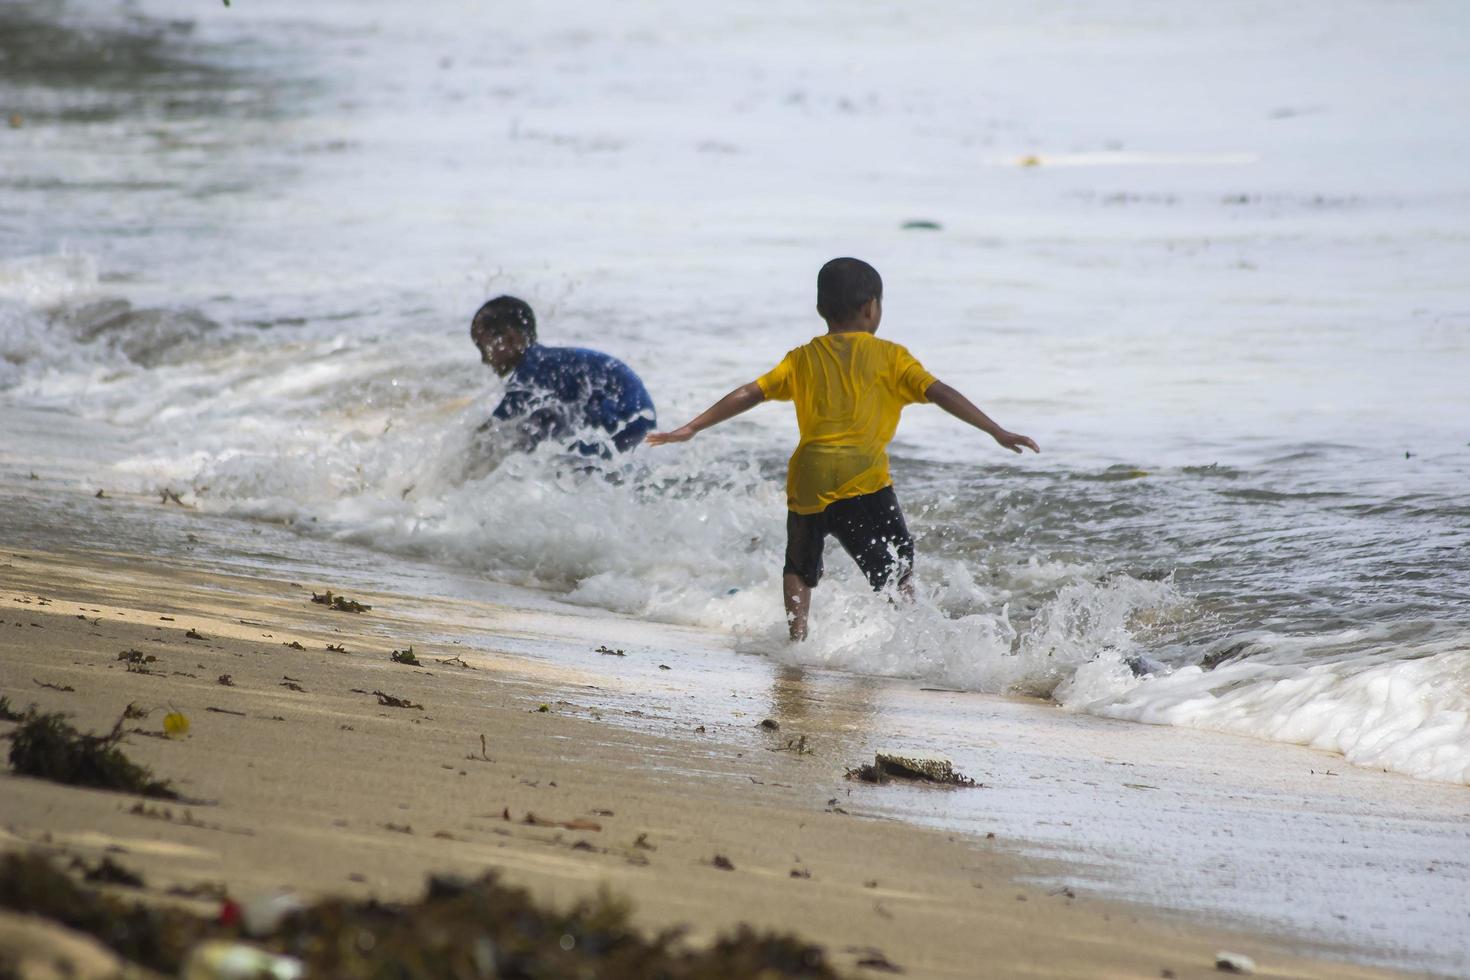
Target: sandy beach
[{"x": 308, "y": 783}]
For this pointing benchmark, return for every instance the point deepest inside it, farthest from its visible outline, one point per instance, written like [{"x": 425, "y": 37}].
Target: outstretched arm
[
  {"x": 965, "y": 410},
  {"x": 742, "y": 399}
]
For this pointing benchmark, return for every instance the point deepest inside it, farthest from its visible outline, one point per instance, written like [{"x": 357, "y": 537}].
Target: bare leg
[
  {"x": 798, "y": 596},
  {"x": 906, "y": 584}
]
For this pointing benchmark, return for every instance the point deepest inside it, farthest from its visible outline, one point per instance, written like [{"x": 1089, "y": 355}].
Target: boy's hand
[
  {"x": 682, "y": 434},
  {"x": 742, "y": 399},
  {"x": 1014, "y": 441}
]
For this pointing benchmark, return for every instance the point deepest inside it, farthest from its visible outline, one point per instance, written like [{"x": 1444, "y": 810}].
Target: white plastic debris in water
[{"x": 219, "y": 960}]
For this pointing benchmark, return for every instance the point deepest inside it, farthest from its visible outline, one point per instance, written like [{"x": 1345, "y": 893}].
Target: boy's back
[{"x": 848, "y": 389}]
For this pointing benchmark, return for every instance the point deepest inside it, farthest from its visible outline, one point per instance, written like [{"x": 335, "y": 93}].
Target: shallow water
[{"x": 1228, "y": 299}]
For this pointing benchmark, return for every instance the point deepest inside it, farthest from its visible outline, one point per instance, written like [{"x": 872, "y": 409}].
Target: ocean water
[{"x": 1212, "y": 257}]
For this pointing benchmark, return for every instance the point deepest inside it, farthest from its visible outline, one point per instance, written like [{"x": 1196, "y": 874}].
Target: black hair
[
  {"x": 843, "y": 286},
  {"x": 503, "y": 313}
]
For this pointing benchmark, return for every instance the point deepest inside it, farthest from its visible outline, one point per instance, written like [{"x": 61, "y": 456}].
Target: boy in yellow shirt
[{"x": 849, "y": 388}]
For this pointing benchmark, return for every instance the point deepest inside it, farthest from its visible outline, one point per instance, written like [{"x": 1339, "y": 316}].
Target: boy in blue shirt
[{"x": 591, "y": 402}]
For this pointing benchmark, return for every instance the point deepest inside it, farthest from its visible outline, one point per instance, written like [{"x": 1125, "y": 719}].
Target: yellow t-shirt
[{"x": 849, "y": 389}]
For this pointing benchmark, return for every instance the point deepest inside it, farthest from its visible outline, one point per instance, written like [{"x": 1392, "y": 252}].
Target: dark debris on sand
[
  {"x": 45, "y": 746},
  {"x": 8, "y": 713},
  {"x": 339, "y": 602},
  {"x": 156, "y": 937},
  {"x": 390, "y": 701},
  {"x": 886, "y": 767},
  {"x": 107, "y": 872},
  {"x": 461, "y": 929}
]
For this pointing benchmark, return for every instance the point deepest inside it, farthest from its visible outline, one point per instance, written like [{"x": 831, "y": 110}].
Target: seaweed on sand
[
  {"x": 339, "y": 602},
  {"x": 887, "y": 766},
  {"x": 158, "y": 937},
  {"x": 7, "y": 713},
  {"x": 389, "y": 701},
  {"x": 461, "y": 928},
  {"x": 45, "y": 746}
]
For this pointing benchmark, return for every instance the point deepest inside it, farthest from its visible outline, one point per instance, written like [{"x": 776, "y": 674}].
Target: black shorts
[{"x": 869, "y": 527}]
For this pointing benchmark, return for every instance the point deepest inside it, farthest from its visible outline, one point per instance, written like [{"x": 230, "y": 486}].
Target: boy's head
[
  {"x": 850, "y": 293},
  {"x": 502, "y": 329}
]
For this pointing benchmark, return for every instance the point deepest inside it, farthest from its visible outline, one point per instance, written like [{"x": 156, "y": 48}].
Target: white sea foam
[
  {"x": 28, "y": 287},
  {"x": 42, "y": 281},
  {"x": 1408, "y": 714}
]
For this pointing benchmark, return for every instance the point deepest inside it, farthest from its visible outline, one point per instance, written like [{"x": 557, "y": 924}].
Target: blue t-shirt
[{"x": 562, "y": 391}]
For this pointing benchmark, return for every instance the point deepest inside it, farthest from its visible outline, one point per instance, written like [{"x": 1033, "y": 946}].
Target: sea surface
[{"x": 1212, "y": 257}]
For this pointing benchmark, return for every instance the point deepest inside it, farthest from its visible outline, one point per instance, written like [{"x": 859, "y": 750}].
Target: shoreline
[{"x": 323, "y": 791}]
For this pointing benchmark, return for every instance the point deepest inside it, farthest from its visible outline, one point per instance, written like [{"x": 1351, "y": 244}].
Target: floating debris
[
  {"x": 339, "y": 602},
  {"x": 167, "y": 496},
  {"x": 46, "y": 747},
  {"x": 912, "y": 766},
  {"x": 921, "y": 224},
  {"x": 608, "y": 651}
]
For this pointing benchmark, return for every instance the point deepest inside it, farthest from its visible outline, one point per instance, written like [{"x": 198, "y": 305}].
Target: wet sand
[{"x": 313, "y": 785}]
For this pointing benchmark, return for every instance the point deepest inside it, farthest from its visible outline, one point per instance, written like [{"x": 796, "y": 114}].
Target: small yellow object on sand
[{"x": 175, "y": 724}]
